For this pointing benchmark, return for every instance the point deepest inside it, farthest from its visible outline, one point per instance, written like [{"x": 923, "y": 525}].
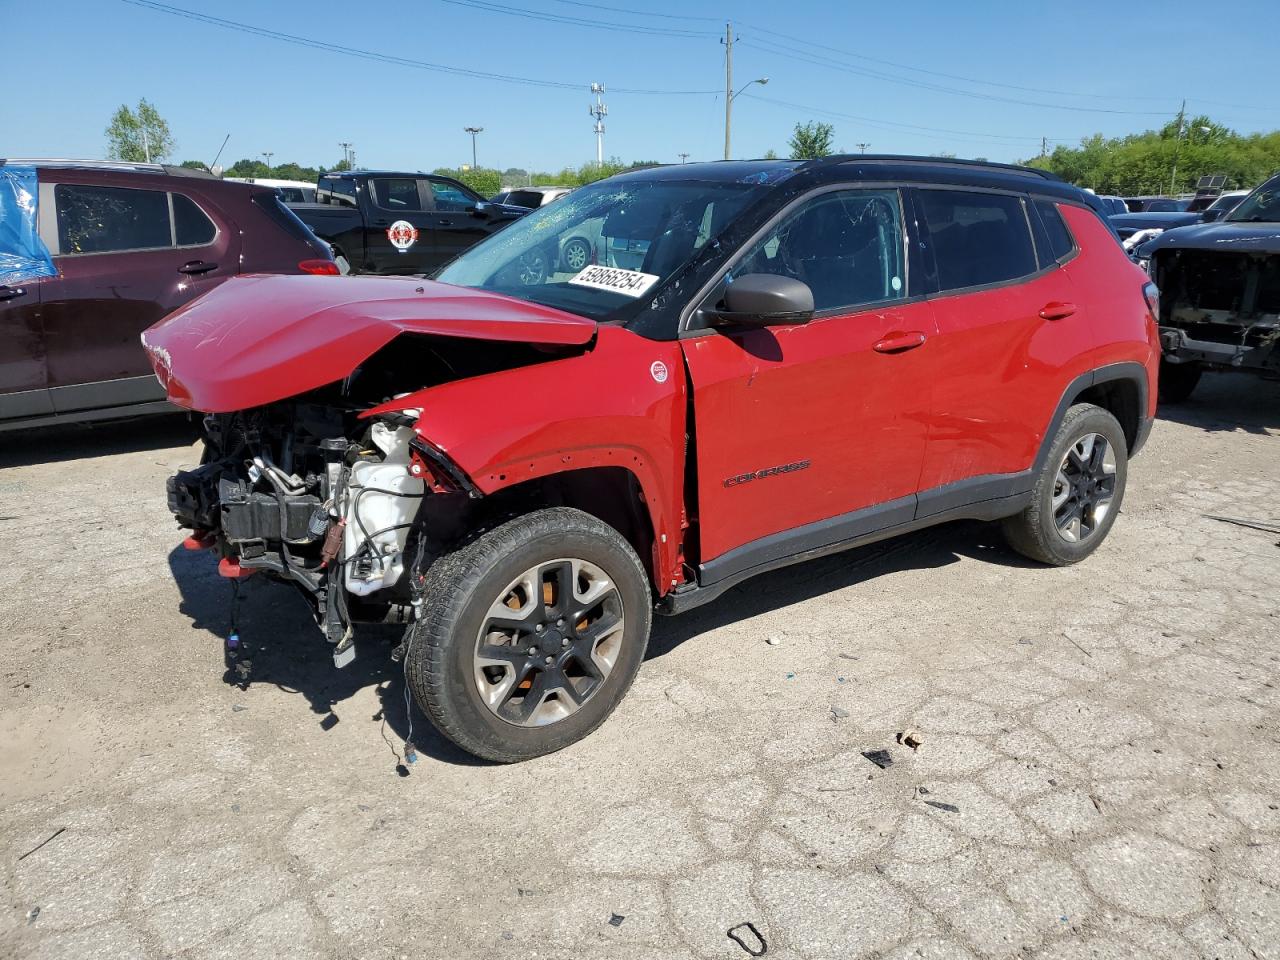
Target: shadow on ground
[
  {"x": 282, "y": 646},
  {"x": 82, "y": 441},
  {"x": 1227, "y": 402}
]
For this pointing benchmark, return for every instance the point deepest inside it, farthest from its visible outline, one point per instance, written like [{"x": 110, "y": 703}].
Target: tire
[
  {"x": 1177, "y": 380},
  {"x": 575, "y": 255},
  {"x": 468, "y": 671},
  {"x": 1075, "y": 501}
]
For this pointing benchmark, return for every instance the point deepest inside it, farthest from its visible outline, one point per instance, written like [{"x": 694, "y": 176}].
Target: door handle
[
  {"x": 900, "y": 342},
  {"x": 197, "y": 266},
  {"x": 382, "y": 223},
  {"x": 445, "y": 223},
  {"x": 1057, "y": 310},
  {"x": 12, "y": 293}
]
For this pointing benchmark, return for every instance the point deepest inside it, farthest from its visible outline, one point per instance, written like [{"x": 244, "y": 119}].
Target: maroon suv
[{"x": 129, "y": 243}]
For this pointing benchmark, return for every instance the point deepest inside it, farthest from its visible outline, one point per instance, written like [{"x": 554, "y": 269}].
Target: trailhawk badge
[
  {"x": 629, "y": 283},
  {"x": 402, "y": 235}
]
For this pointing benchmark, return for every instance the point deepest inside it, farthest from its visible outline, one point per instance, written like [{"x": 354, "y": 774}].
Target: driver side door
[
  {"x": 398, "y": 235},
  {"x": 808, "y": 435}
]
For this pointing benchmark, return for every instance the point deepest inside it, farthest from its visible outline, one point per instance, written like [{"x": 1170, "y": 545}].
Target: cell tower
[{"x": 599, "y": 111}]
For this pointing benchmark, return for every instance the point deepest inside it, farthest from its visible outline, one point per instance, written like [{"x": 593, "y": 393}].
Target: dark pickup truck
[{"x": 399, "y": 223}]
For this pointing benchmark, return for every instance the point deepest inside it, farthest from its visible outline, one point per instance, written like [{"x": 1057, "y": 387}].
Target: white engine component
[{"x": 376, "y": 528}]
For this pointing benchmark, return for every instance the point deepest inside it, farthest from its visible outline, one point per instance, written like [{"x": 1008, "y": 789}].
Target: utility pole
[
  {"x": 146, "y": 143},
  {"x": 346, "y": 153},
  {"x": 1044, "y": 146},
  {"x": 599, "y": 111},
  {"x": 268, "y": 154},
  {"x": 683, "y": 157},
  {"x": 473, "y": 131},
  {"x": 862, "y": 147},
  {"x": 728, "y": 84},
  {"x": 1177, "y": 140}
]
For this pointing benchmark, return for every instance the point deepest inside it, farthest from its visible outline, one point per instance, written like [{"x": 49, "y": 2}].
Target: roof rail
[
  {"x": 935, "y": 161},
  {"x": 123, "y": 165}
]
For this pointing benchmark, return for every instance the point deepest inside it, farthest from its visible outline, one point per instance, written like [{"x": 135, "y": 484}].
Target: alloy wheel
[
  {"x": 1084, "y": 488},
  {"x": 548, "y": 642}
]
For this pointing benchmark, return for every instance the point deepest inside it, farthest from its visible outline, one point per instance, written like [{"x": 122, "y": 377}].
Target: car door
[
  {"x": 1008, "y": 325},
  {"x": 455, "y": 226},
  {"x": 126, "y": 256},
  {"x": 812, "y": 434},
  {"x": 23, "y": 385},
  {"x": 399, "y": 227}
]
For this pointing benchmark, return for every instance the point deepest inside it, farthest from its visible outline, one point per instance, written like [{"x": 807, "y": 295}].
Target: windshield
[
  {"x": 1261, "y": 205},
  {"x": 602, "y": 247},
  {"x": 1228, "y": 201}
]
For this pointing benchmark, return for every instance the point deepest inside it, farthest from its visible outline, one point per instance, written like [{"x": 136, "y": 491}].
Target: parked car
[
  {"x": 1220, "y": 308},
  {"x": 1113, "y": 204},
  {"x": 809, "y": 356},
  {"x": 291, "y": 191},
  {"x": 400, "y": 223},
  {"x": 1156, "y": 204},
  {"x": 1136, "y": 229},
  {"x": 123, "y": 244},
  {"x": 531, "y": 197}
]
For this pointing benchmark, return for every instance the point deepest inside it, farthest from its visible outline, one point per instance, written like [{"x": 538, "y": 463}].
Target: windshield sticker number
[{"x": 629, "y": 283}]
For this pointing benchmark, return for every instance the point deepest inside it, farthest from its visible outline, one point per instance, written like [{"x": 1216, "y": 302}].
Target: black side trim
[
  {"x": 973, "y": 492},
  {"x": 716, "y": 580}
]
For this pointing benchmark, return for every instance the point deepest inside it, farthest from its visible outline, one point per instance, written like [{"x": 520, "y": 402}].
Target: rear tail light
[
  {"x": 1152, "y": 295},
  {"x": 323, "y": 268}
]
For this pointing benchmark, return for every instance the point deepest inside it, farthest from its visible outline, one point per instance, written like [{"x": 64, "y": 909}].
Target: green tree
[
  {"x": 771, "y": 155},
  {"x": 193, "y": 165},
  {"x": 483, "y": 181},
  {"x": 811, "y": 140},
  {"x": 139, "y": 136}
]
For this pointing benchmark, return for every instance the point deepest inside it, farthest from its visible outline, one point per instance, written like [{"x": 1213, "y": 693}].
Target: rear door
[
  {"x": 126, "y": 257},
  {"x": 23, "y": 387},
  {"x": 455, "y": 227},
  {"x": 1009, "y": 326},
  {"x": 810, "y": 435},
  {"x": 398, "y": 238}
]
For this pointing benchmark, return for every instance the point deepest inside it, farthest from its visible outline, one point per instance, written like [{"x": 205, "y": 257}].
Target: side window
[
  {"x": 977, "y": 238},
  {"x": 102, "y": 219},
  {"x": 191, "y": 226},
  {"x": 846, "y": 245},
  {"x": 335, "y": 190},
  {"x": 450, "y": 198},
  {"x": 1060, "y": 242},
  {"x": 399, "y": 194}
]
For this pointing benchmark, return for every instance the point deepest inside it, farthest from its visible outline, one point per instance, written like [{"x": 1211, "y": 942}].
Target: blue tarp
[{"x": 23, "y": 255}]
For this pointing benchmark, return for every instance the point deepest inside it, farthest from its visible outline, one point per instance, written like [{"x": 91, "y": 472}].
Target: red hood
[{"x": 258, "y": 339}]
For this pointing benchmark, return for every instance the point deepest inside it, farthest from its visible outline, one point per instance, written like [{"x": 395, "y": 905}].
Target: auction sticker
[
  {"x": 402, "y": 235},
  {"x": 658, "y": 370},
  {"x": 629, "y": 283}
]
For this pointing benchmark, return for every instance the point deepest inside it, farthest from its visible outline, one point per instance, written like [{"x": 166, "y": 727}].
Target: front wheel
[
  {"x": 1077, "y": 496},
  {"x": 531, "y": 634}
]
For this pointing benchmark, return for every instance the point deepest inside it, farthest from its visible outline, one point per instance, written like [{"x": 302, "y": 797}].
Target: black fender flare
[{"x": 1129, "y": 370}]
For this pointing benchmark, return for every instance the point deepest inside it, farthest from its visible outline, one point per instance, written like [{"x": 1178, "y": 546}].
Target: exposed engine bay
[
  {"x": 349, "y": 509},
  {"x": 1220, "y": 309}
]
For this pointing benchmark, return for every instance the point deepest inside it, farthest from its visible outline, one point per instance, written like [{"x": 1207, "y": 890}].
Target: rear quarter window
[
  {"x": 191, "y": 225},
  {"x": 1061, "y": 243},
  {"x": 977, "y": 238}
]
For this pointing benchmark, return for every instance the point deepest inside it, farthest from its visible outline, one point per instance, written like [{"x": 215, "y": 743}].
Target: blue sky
[{"x": 973, "y": 78}]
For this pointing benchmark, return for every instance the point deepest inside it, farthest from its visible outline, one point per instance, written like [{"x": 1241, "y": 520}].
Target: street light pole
[
  {"x": 683, "y": 157},
  {"x": 732, "y": 96},
  {"x": 862, "y": 147},
  {"x": 268, "y": 154},
  {"x": 473, "y": 131}
]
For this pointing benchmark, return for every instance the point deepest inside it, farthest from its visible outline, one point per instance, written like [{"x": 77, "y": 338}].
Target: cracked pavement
[{"x": 1098, "y": 775}]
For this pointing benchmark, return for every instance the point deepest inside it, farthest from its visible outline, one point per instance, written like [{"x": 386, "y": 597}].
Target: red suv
[
  {"x": 763, "y": 362},
  {"x": 122, "y": 245}
]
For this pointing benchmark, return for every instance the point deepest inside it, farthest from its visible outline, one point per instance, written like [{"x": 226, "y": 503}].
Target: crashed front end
[
  {"x": 1220, "y": 307},
  {"x": 315, "y": 470}
]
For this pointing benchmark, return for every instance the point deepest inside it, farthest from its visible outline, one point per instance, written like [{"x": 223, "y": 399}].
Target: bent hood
[
  {"x": 1224, "y": 236},
  {"x": 257, "y": 339}
]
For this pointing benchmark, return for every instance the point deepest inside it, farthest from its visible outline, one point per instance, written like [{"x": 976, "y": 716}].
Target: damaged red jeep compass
[{"x": 744, "y": 364}]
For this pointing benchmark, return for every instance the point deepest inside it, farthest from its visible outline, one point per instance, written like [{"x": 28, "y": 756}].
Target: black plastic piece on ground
[
  {"x": 759, "y": 937},
  {"x": 880, "y": 758}
]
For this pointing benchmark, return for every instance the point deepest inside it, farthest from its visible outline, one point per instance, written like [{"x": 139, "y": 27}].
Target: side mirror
[
  {"x": 764, "y": 300},
  {"x": 484, "y": 210},
  {"x": 1209, "y": 216}
]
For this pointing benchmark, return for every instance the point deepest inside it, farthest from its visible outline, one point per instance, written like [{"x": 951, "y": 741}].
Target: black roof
[
  {"x": 352, "y": 174},
  {"x": 871, "y": 167}
]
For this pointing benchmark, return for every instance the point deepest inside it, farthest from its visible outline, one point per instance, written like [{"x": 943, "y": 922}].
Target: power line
[
  {"x": 647, "y": 13},
  {"x": 154, "y": 5},
  {"x": 823, "y": 61},
  {"x": 578, "y": 21}
]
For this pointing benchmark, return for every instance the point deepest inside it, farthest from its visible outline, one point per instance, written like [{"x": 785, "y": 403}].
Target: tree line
[{"x": 1168, "y": 160}]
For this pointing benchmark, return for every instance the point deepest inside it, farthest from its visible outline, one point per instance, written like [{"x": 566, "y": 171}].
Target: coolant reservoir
[{"x": 382, "y": 500}]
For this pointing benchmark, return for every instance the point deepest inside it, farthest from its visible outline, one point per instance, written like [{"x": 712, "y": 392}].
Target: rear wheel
[
  {"x": 1077, "y": 496},
  {"x": 1177, "y": 380},
  {"x": 531, "y": 634},
  {"x": 576, "y": 254}
]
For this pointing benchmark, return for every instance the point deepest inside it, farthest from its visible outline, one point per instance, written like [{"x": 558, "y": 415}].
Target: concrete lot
[{"x": 1104, "y": 741}]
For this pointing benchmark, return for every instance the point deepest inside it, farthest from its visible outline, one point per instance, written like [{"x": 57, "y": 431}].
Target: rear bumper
[{"x": 1177, "y": 347}]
